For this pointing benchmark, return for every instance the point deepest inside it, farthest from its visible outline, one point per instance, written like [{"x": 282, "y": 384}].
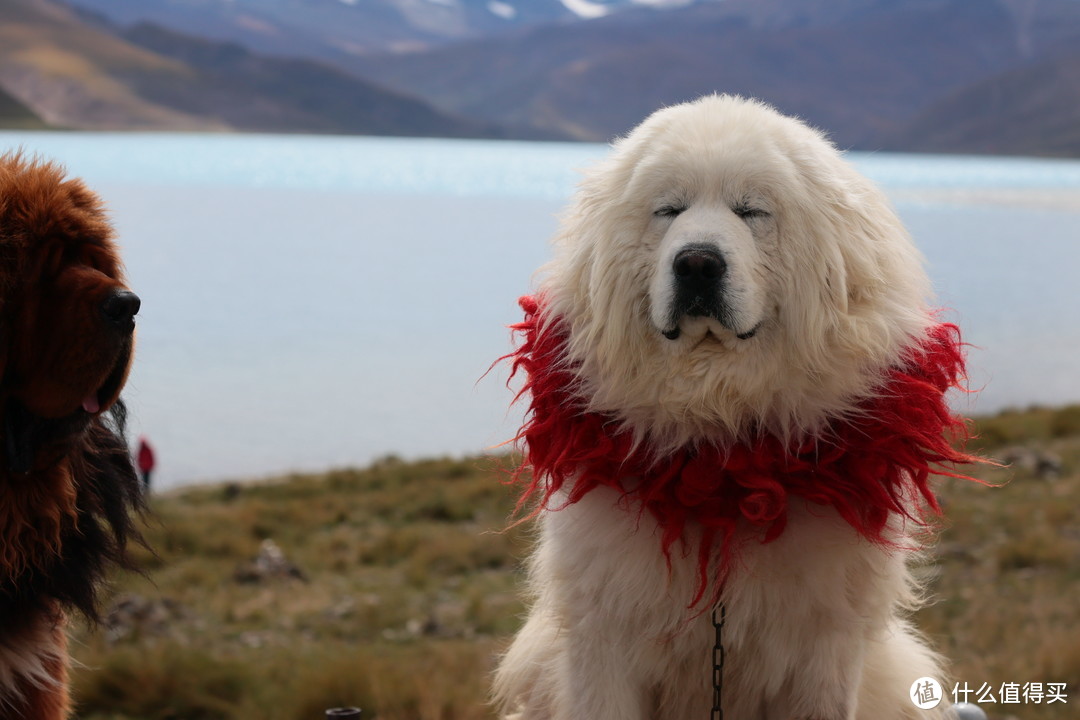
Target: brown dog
[{"x": 67, "y": 485}]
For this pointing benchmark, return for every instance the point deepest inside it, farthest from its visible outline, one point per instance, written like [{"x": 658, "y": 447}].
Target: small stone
[
  {"x": 269, "y": 564},
  {"x": 966, "y": 711}
]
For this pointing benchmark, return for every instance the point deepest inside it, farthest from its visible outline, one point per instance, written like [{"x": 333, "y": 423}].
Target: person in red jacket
[{"x": 145, "y": 461}]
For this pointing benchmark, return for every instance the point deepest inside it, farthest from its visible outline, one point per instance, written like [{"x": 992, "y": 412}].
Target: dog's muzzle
[{"x": 698, "y": 275}]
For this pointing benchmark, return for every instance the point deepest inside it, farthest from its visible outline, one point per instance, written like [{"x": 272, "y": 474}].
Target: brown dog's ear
[
  {"x": 26, "y": 435},
  {"x": 3, "y": 344}
]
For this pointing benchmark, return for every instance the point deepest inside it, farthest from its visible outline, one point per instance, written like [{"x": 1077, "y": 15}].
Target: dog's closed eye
[
  {"x": 749, "y": 212},
  {"x": 670, "y": 211}
]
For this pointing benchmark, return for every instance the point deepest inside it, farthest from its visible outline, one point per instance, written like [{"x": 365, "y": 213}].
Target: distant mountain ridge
[
  {"x": 1028, "y": 110},
  {"x": 932, "y": 75},
  {"x": 864, "y": 70}
]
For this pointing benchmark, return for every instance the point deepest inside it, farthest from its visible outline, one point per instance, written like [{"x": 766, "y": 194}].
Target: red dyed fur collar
[{"x": 867, "y": 468}]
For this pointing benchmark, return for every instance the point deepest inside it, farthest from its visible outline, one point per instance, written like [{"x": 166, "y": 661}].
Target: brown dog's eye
[
  {"x": 52, "y": 260},
  {"x": 99, "y": 259}
]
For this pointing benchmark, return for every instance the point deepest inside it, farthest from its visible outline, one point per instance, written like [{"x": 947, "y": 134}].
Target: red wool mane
[{"x": 868, "y": 466}]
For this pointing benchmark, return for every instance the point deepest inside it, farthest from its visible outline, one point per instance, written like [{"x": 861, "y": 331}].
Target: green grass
[
  {"x": 412, "y": 587},
  {"x": 1007, "y": 565}
]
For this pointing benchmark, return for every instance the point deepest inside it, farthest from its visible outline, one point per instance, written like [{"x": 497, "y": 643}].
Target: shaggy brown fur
[{"x": 67, "y": 486}]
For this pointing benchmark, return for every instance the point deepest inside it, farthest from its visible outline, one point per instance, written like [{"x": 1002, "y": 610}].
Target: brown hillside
[{"x": 67, "y": 72}]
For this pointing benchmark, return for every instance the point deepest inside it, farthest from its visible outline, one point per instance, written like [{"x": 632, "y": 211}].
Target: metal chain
[{"x": 718, "y": 662}]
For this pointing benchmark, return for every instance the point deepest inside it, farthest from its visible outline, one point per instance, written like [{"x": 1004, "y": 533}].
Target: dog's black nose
[
  {"x": 699, "y": 278},
  {"x": 120, "y": 308},
  {"x": 698, "y": 264}
]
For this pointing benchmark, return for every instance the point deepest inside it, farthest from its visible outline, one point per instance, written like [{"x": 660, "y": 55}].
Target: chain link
[{"x": 718, "y": 614}]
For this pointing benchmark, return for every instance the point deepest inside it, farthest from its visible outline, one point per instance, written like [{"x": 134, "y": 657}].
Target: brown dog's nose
[{"x": 120, "y": 309}]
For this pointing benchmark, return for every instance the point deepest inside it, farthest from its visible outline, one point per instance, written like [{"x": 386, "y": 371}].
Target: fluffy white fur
[{"x": 822, "y": 272}]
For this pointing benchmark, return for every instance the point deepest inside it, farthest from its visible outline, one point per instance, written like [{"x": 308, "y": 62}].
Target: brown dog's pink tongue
[{"x": 90, "y": 403}]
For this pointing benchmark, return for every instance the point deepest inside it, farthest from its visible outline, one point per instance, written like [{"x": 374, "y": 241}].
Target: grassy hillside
[
  {"x": 405, "y": 586},
  {"x": 262, "y": 93},
  {"x": 75, "y": 72},
  {"x": 68, "y": 72},
  {"x": 13, "y": 114}
]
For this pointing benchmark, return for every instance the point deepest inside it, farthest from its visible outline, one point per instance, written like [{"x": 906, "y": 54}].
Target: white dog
[{"x": 736, "y": 393}]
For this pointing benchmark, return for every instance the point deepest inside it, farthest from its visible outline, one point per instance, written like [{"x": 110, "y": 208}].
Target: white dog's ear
[
  {"x": 861, "y": 259},
  {"x": 835, "y": 288},
  {"x": 873, "y": 256},
  {"x": 873, "y": 272},
  {"x": 593, "y": 224}
]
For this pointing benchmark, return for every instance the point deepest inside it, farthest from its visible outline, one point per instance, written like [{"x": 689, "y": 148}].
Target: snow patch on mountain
[
  {"x": 501, "y": 9},
  {"x": 585, "y": 9}
]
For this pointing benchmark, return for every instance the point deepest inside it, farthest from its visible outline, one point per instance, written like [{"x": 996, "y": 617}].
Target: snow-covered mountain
[{"x": 325, "y": 28}]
